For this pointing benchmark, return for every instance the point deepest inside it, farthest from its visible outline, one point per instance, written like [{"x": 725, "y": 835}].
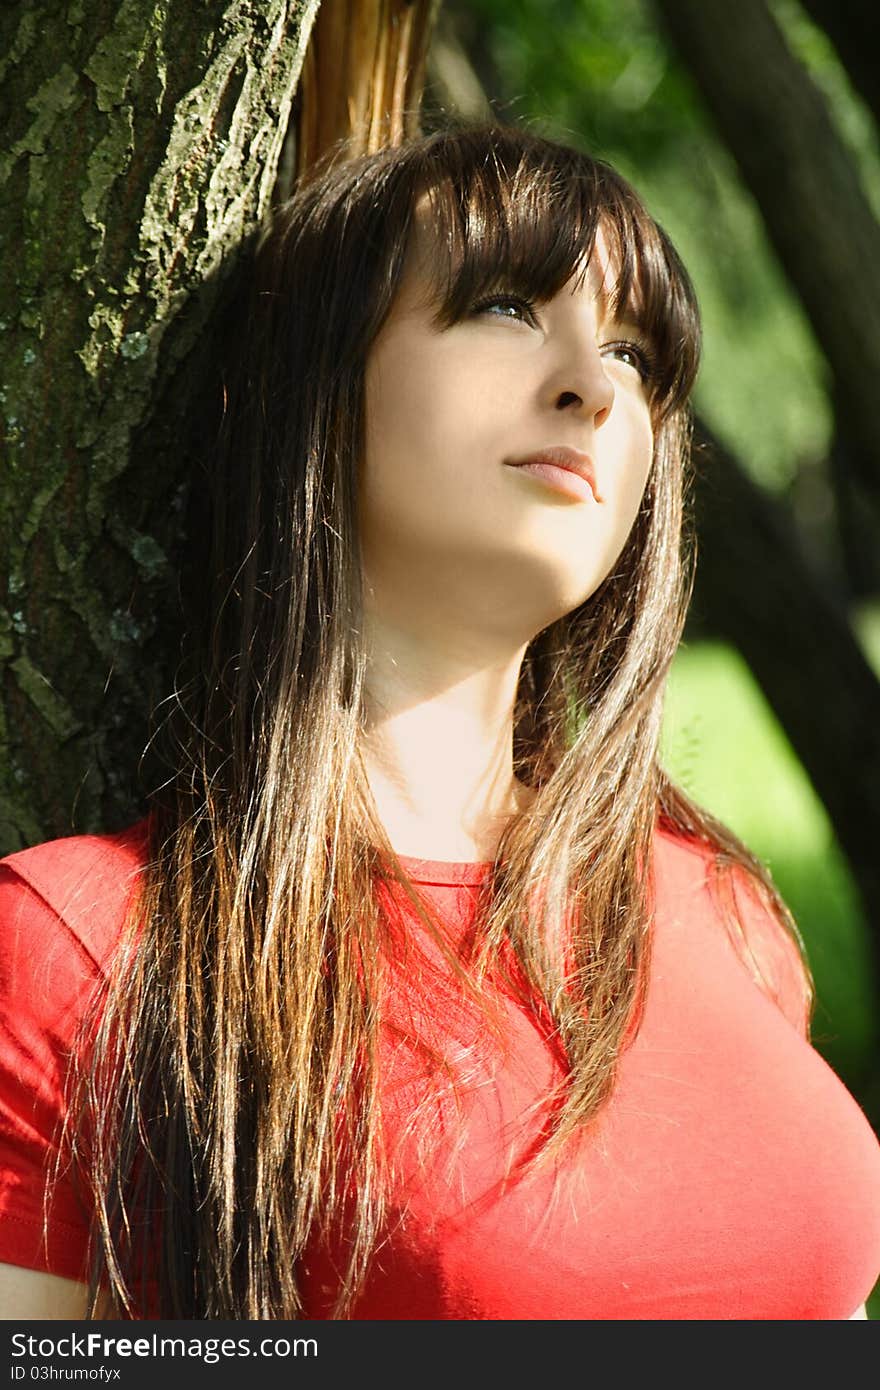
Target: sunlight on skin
[{"x": 27, "y": 1293}]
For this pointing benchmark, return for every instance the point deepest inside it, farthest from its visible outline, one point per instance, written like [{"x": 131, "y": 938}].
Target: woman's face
[{"x": 452, "y": 531}]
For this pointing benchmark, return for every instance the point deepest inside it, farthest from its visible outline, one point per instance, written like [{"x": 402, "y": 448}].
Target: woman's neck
[{"x": 438, "y": 746}]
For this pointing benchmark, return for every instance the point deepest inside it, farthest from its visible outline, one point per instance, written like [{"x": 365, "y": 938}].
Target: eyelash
[
  {"x": 643, "y": 360},
  {"x": 525, "y": 304}
]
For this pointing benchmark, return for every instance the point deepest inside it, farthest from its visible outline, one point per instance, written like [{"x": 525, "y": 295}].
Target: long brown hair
[{"x": 237, "y": 1041}]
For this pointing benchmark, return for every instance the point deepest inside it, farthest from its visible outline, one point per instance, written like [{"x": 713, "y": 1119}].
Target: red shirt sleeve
[
  {"x": 62, "y": 909},
  {"x": 770, "y": 951},
  {"x": 46, "y": 978}
]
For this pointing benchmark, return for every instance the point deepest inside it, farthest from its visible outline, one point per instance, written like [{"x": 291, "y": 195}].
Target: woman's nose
[
  {"x": 587, "y": 388},
  {"x": 592, "y": 395}
]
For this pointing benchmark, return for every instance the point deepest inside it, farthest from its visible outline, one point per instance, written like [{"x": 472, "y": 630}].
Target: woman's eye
[
  {"x": 523, "y": 307},
  {"x": 631, "y": 355}
]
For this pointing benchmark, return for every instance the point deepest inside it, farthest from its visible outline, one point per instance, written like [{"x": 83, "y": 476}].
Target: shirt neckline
[{"x": 444, "y": 871}]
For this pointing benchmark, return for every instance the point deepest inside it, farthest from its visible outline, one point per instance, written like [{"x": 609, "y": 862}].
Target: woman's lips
[{"x": 565, "y": 470}]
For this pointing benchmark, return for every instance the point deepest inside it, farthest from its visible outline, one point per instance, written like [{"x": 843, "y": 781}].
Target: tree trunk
[
  {"x": 141, "y": 144},
  {"x": 775, "y": 122},
  {"x": 364, "y": 74},
  {"x": 854, "y": 28}
]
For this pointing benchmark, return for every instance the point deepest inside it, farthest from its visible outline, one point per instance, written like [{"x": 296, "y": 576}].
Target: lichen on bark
[{"x": 142, "y": 148}]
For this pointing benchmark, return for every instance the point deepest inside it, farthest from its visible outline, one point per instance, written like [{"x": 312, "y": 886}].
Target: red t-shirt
[{"x": 731, "y": 1175}]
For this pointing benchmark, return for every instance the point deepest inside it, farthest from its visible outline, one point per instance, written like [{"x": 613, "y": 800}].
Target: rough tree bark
[
  {"x": 776, "y": 124},
  {"x": 141, "y": 143},
  {"x": 140, "y": 146}
]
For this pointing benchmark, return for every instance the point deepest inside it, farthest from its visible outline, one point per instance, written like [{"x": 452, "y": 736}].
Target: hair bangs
[
  {"x": 521, "y": 221},
  {"x": 652, "y": 290}
]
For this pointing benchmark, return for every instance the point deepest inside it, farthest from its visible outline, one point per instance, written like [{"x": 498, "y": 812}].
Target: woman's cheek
[{"x": 624, "y": 492}]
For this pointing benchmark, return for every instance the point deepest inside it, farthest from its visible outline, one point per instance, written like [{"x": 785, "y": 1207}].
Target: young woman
[{"x": 421, "y": 992}]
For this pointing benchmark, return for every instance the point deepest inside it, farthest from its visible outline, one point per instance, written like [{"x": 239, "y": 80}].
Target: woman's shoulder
[
  {"x": 678, "y": 854},
  {"x": 685, "y": 872},
  {"x": 62, "y": 861},
  {"x": 76, "y": 888},
  {"x": 688, "y": 869},
  {"x": 696, "y": 883},
  {"x": 63, "y": 908}
]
